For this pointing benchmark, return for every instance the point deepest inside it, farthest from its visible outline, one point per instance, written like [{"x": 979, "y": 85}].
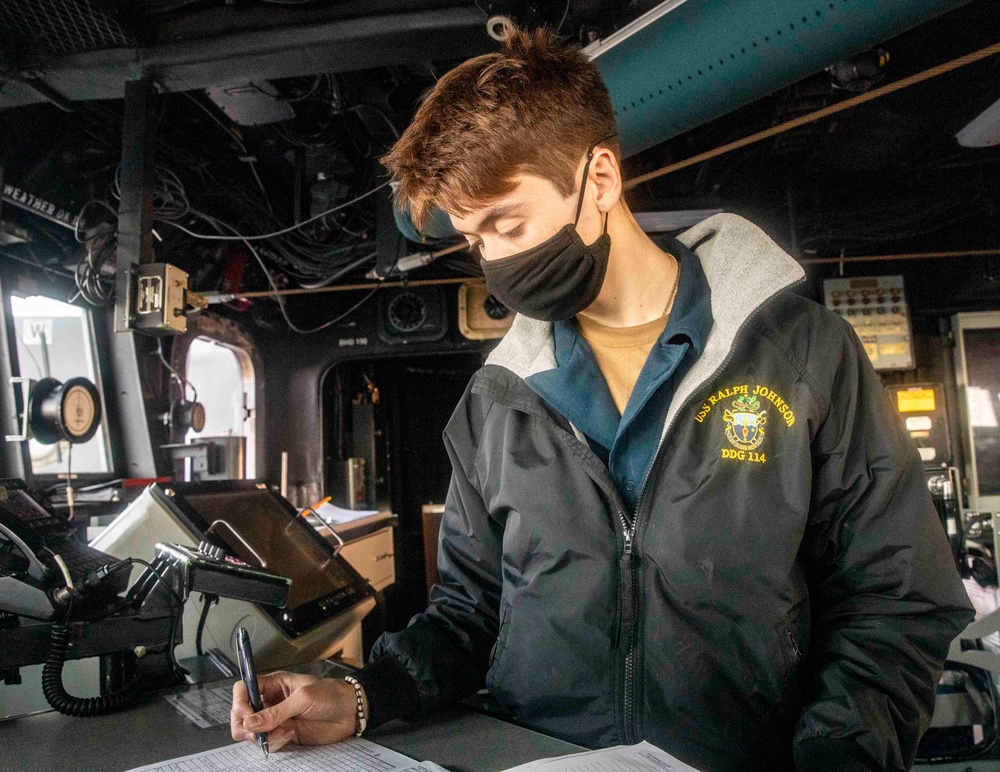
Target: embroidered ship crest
[{"x": 745, "y": 422}]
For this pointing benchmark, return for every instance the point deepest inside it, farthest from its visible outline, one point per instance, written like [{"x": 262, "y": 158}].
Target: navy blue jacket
[{"x": 781, "y": 596}]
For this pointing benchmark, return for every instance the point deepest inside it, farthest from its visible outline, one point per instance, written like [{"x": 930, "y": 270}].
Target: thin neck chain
[{"x": 673, "y": 290}]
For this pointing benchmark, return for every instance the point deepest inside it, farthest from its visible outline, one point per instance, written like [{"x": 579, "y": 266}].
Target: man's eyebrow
[{"x": 494, "y": 214}]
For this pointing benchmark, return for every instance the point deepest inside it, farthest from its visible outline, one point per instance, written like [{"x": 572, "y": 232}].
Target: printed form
[
  {"x": 621, "y": 758},
  {"x": 354, "y": 755}
]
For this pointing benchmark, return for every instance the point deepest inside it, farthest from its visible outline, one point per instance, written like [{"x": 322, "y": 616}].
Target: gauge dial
[
  {"x": 79, "y": 411},
  {"x": 407, "y": 312}
]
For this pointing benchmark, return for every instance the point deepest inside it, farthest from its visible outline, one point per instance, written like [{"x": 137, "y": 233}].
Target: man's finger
[
  {"x": 287, "y": 681},
  {"x": 240, "y": 711},
  {"x": 241, "y": 708},
  {"x": 273, "y": 688},
  {"x": 269, "y": 718},
  {"x": 279, "y": 738}
]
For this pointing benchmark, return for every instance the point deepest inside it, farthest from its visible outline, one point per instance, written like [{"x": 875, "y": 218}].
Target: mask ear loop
[
  {"x": 583, "y": 182},
  {"x": 583, "y": 187}
]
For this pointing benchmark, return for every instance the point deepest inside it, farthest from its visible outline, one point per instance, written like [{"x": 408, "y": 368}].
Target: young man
[{"x": 682, "y": 508}]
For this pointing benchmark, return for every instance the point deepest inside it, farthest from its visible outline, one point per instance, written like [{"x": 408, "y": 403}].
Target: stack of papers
[
  {"x": 621, "y": 758},
  {"x": 333, "y": 515},
  {"x": 354, "y": 755},
  {"x": 360, "y": 755}
]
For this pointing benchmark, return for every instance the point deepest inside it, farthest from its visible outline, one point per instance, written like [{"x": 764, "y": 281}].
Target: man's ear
[{"x": 607, "y": 174}]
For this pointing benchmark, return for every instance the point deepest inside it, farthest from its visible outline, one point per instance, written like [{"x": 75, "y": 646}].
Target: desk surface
[{"x": 458, "y": 739}]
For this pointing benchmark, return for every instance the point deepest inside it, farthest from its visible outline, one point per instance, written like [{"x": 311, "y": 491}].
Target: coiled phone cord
[{"x": 61, "y": 700}]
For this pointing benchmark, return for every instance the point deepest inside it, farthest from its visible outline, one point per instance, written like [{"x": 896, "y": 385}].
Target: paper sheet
[
  {"x": 353, "y": 755},
  {"x": 334, "y": 515},
  {"x": 621, "y": 758},
  {"x": 204, "y": 707}
]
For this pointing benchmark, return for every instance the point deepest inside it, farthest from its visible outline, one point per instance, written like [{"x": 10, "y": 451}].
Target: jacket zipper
[
  {"x": 629, "y": 601},
  {"x": 627, "y": 624},
  {"x": 796, "y": 651}
]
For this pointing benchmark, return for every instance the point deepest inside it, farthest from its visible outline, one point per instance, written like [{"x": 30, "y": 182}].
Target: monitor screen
[
  {"x": 25, "y": 507},
  {"x": 257, "y": 526}
]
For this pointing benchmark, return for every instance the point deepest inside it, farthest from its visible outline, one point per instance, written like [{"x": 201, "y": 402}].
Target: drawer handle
[{"x": 383, "y": 556}]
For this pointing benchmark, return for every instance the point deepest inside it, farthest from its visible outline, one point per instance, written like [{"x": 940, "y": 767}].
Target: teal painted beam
[{"x": 706, "y": 58}]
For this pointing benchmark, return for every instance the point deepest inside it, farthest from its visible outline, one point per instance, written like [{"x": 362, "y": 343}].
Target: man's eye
[{"x": 512, "y": 234}]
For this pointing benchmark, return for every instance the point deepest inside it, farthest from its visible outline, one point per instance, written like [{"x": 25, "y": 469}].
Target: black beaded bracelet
[{"x": 360, "y": 697}]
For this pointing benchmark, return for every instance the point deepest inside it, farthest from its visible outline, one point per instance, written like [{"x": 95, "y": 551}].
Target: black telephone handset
[
  {"x": 30, "y": 539},
  {"x": 40, "y": 560},
  {"x": 26, "y": 583},
  {"x": 29, "y": 526},
  {"x": 28, "y": 544}
]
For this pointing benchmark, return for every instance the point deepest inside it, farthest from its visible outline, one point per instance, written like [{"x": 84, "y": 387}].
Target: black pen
[{"x": 244, "y": 654}]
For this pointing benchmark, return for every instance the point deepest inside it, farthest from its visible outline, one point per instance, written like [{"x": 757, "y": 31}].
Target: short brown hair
[{"x": 534, "y": 107}]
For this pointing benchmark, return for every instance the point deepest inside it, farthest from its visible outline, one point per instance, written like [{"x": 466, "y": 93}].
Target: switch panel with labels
[{"x": 875, "y": 306}]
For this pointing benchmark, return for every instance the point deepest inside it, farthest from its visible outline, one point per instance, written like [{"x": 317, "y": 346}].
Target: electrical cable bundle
[
  {"x": 170, "y": 201},
  {"x": 95, "y": 271},
  {"x": 274, "y": 286},
  {"x": 313, "y": 253},
  {"x": 91, "y": 274},
  {"x": 300, "y": 255}
]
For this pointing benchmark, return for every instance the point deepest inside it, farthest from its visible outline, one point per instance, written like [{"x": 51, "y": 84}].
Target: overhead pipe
[
  {"x": 825, "y": 112},
  {"x": 706, "y": 58}
]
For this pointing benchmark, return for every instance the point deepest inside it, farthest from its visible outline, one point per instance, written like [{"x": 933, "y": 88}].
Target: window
[
  {"x": 54, "y": 340},
  {"x": 224, "y": 379},
  {"x": 978, "y": 362}
]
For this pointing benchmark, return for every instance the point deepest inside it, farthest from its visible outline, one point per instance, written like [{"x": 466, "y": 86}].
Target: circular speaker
[
  {"x": 188, "y": 415},
  {"x": 68, "y": 411}
]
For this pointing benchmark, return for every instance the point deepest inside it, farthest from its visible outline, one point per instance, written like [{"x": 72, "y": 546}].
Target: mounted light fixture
[{"x": 982, "y": 131}]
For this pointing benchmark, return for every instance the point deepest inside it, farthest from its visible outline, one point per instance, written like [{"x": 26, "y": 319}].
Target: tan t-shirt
[{"x": 621, "y": 352}]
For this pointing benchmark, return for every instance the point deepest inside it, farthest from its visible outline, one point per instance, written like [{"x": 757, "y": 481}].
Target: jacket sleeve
[
  {"x": 444, "y": 652},
  {"x": 886, "y": 596}
]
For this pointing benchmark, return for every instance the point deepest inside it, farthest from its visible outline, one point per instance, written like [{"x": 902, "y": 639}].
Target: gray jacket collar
[{"x": 744, "y": 269}]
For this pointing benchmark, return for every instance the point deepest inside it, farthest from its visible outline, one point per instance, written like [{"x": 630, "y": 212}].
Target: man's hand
[{"x": 300, "y": 709}]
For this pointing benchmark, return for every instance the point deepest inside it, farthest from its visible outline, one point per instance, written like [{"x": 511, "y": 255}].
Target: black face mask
[{"x": 558, "y": 278}]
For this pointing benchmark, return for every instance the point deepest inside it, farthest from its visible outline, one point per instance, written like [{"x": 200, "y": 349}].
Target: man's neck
[{"x": 639, "y": 278}]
